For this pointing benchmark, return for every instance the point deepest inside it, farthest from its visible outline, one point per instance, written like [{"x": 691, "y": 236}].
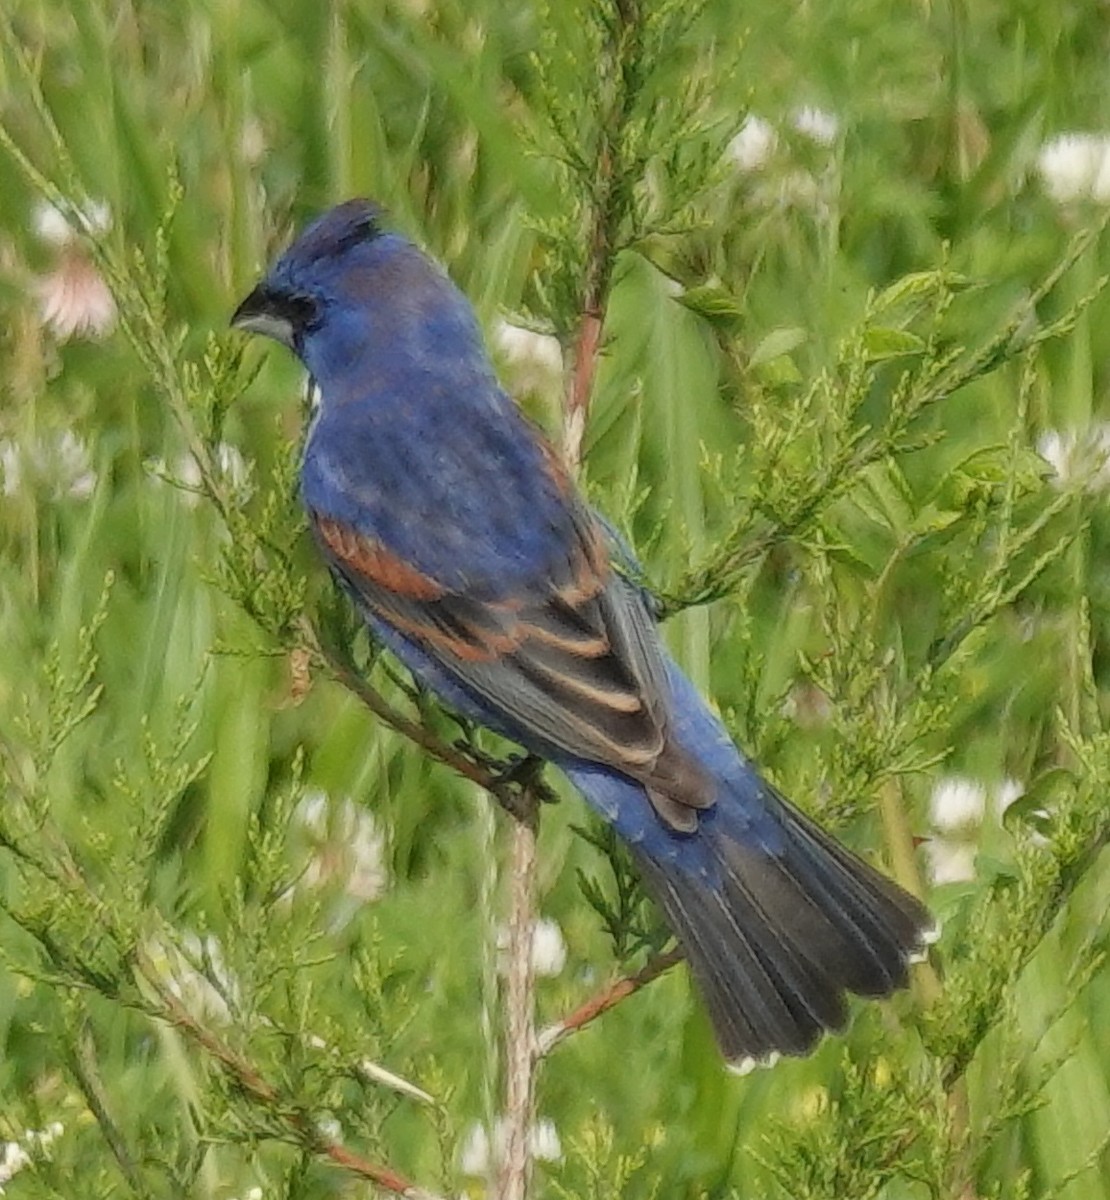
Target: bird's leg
[
  {"x": 526, "y": 772},
  {"x": 522, "y": 769},
  {"x": 522, "y": 772}
]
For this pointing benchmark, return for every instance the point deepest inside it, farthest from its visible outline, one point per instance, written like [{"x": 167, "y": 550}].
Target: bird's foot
[
  {"x": 526, "y": 772},
  {"x": 515, "y": 772}
]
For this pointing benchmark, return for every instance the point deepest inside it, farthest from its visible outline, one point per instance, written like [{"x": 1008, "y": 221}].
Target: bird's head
[
  {"x": 313, "y": 275},
  {"x": 349, "y": 293}
]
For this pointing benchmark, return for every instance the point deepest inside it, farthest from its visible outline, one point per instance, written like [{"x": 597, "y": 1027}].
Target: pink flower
[{"x": 74, "y": 301}]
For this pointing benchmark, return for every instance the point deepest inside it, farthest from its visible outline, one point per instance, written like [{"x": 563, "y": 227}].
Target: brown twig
[
  {"x": 587, "y": 345},
  {"x": 604, "y": 1000},
  {"x": 595, "y": 293},
  {"x": 511, "y": 795},
  {"x": 250, "y": 1080}
]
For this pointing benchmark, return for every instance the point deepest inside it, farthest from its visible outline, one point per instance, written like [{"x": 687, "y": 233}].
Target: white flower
[
  {"x": 60, "y": 463},
  {"x": 14, "y": 1156},
  {"x": 185, "y": 473},
  {"x": 330, "y": 1128},
  {"x": 203, "y": 989},
  {"x": 1056, "y": 449},
  {"x": 545, "y": 1141},
  {"x": 957, "y": 802},
  {"x": 54, "y": 228},
  {"x": 950, "y": 862},
  {"x": 957, "y": 808},
  {"x": 50, "y": 226},
  {"x": 474, "y": 1154},
  {"x": 1076, "y": 454},
  {"x": 475, "y": 1158},
  {"x": 816, "y": 124},
  {"x": 535, "y": 360},
  {"x": 11, "y": 467},
  {"x": 1007, "y": 792},
  {"x": 252, "y": 141},
  {"x": 346, "y": 846},
  {"x": 549, "y": 950},
  {"x": 74, "y": 301},
  {"x": 1076, "y": 166},
  {"x": 753, "y": 144}
]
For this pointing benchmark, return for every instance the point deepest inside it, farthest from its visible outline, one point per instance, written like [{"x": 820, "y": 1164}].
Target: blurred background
[{"x": 836, "y": 149}]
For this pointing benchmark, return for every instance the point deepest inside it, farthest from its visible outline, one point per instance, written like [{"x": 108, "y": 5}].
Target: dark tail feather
[{"x": 777, "y": 940}]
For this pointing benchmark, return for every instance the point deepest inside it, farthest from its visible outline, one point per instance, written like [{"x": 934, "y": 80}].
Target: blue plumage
[{"x": 453, "y": 526}]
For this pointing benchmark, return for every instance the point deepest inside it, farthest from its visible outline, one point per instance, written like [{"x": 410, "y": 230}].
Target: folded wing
[{"x": 573, "y": 658}]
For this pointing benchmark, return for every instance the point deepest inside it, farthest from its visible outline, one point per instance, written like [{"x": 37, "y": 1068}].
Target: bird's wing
[{"x": 573, "y": 660}]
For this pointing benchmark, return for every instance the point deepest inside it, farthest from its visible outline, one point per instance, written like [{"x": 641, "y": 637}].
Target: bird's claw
[{"x": 519, "y": 771}]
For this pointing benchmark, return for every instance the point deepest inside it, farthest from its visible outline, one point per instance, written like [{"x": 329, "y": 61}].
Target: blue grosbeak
[{"x": 454, "y": 527}]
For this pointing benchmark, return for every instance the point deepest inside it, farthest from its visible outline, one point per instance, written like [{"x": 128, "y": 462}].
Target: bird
[{"x": 469, "y": 552}]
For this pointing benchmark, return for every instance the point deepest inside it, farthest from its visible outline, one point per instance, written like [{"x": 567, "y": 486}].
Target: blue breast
[{"x": 417, "y": 446}]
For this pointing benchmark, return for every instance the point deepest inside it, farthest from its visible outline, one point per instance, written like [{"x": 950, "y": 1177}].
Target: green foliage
[
  {"x": 625, "y": 912},
  {"x": 248, "y": 880},
  {"x": 630, "y": 165}
]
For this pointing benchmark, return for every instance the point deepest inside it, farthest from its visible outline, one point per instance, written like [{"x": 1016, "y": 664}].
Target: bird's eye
[{"x": 302, "y": 312}]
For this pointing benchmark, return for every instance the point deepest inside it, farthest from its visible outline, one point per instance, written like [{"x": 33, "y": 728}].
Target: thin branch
[
  {"x": 251, "y": 1081},
  {"x": 515, "y": 1171},
  {"x": 86, "y": 1071},
  {"x": 374, "y": 1073},
  {"x": 587, "y": 345},
  {"x": 610, "y": 202},
  {"x": 514, "y": 795},
  {"x": 606, "y": 211},
  {"x": 898, "y": 836},
  {"x": 604, "y": 1000}
]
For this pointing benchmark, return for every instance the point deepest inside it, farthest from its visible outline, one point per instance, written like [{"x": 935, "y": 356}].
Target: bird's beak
[{"x": 257, "y": 314}]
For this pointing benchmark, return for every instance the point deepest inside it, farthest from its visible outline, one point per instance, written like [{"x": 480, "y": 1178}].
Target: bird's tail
[{"x": 777, "y": 930}]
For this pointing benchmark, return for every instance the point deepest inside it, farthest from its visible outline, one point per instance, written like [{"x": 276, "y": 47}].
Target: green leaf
[
  {"x": 933, "y": 519},
  {"x": 918, "y": 285},
  {"x": 1035, "y": 808},
  {"x": 780, "y": 372},
  {"x": 881, "y": 343},
  {"x": 716, "y": 305},
  {"x": 777, "y": 344}
]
